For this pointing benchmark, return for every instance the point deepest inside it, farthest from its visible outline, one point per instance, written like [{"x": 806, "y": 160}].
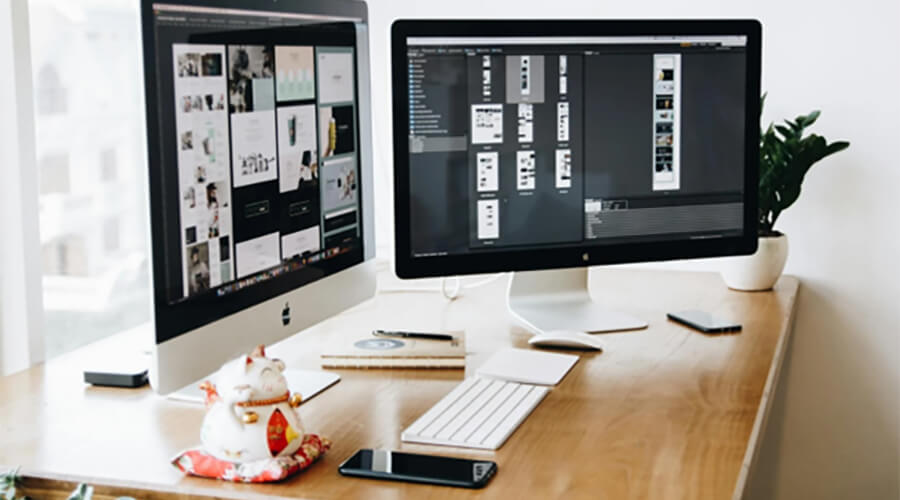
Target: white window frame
[{"x": 21, "y": 305}]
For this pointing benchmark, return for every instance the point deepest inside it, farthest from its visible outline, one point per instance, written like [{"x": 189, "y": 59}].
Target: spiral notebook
[{"x": 381, "y": 352}]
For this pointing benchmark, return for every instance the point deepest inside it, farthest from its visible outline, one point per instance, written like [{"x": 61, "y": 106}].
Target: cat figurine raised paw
[{"x": 250, "y": 411}]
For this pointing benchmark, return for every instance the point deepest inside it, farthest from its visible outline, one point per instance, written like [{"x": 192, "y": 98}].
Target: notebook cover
[
  {"x": 390, "y": 352},
  {"x": 433, "y": 363}
]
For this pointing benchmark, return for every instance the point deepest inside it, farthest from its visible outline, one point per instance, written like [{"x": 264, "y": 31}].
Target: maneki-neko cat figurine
[
  {"x": 251, "y": 432},
  {"x": 250, "y": 411}
]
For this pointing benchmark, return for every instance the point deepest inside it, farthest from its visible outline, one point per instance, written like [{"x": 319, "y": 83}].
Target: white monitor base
[
  {"x": 306, "y": 382},
  {"x": 559, "y": 300}
]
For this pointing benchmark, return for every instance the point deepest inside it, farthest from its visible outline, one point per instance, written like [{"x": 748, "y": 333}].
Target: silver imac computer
[
  {"x": 260, "y": 174},
  {"x": 545, "y": 147}
]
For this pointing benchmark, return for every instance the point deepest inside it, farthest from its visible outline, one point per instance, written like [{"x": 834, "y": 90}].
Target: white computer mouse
[{"x": 566, "y": 338}]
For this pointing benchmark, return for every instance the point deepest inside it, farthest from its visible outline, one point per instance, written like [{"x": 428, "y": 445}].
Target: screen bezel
[
  {"x": 583, "y": 254},
  {"x": 174, "y": 319}
]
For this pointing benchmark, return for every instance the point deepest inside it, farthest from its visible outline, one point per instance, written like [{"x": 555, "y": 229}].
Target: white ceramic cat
[{"x": 250, "y": 411}]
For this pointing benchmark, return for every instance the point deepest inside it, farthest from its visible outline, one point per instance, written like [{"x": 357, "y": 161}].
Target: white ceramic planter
[{"x": 759, "y": 271}]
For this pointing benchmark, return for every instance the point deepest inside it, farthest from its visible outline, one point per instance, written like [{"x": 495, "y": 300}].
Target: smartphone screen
[{"x": 386, "y": 464}]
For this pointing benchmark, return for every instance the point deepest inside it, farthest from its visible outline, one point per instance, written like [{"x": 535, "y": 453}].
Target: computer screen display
[
  {"x": 522, "y": 143},
  {"x": 257, "y": 175}
]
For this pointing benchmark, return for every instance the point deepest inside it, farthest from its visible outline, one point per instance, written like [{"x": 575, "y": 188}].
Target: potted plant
[
  {"x": 11, "y": 485},
  {"x": 785, "y": 155}
]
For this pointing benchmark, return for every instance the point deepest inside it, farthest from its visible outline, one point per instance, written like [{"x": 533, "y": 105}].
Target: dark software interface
[
  {"x": 258, "y": 133},
  {"x": 564, "y": 141}
]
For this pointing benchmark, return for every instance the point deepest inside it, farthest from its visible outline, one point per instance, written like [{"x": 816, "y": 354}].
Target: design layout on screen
[
  {"x": 201, "y": 122},
  {"x": 256, "y": 128},
  {"x": 543, "y": 142}
]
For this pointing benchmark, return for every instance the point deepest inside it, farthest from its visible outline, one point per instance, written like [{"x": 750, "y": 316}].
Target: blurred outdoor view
[{"x": 89, "y": 125}]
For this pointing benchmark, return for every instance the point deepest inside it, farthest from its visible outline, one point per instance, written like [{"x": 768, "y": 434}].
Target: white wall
[{"x": 834, "y": 426}]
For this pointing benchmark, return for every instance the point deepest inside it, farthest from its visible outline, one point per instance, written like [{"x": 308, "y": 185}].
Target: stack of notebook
[{"x": 381, "y": 352}]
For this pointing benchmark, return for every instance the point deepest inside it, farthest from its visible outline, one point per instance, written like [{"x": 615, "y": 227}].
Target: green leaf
[
  {"x": 82, "y": 492},
  {"x": 835, "y": 147},
  {"x": 811, "y": 118},
  {"x": 9, "y": 483},
  {"x": 784, "y": 131},
  {"x": 785, "y": 156}
]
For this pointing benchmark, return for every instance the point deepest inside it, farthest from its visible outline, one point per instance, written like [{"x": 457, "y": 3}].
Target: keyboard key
[
  {"x": 511, "y": 422},
  {"x": 419, "y": 425},
  {"x": 486, "y": 412},
  {"x": 459, "y": 405},
  {"x": 467, "y": 413},
  {"x": 478, "y": 413},
  {"x": 494, "y": 420}
]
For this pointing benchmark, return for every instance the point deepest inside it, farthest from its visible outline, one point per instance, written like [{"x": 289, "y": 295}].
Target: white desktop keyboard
[{"x": 478, "y": 413}]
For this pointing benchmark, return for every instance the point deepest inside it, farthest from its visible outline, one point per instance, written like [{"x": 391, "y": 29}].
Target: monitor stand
[
  {"x": 306, "y": 382},
  {"x": 559, "y": 300}
]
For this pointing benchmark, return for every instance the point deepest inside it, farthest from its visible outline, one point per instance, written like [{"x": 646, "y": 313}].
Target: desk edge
[
  {"x": 765, "y": 403},
  {"x": 47, "y": 481}
]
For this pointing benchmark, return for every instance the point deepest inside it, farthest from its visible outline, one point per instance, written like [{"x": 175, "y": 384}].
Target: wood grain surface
[{"x": 666, "y": 412}]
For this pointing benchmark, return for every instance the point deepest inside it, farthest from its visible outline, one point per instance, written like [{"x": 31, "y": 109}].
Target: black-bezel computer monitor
[
  {"x": 479, "y": 135},
  {"x": 259, "y": 168}
]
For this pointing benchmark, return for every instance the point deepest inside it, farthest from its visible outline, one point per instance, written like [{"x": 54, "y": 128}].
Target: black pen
[{"x": 412, "y": 335}]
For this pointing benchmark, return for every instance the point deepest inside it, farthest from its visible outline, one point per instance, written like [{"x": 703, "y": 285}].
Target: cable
[
  {"x": 452, "y": 293},
  {"x": 485, "y": 281},
  {"x": 455, "y": 293}
]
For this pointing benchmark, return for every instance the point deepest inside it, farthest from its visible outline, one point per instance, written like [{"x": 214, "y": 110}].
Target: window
[
  {"x": 111, "y": 239},
  {"x": 89, "y": 138},
  {"x": 108, "y": 165},
  {"x": 49, "y": 94},
  {"x": 54, "y": 173}
]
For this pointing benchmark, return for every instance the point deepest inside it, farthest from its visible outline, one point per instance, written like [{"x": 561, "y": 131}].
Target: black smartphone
[
  {"x": 704, "y": 321},
  {"x": 415, "y": 468}
]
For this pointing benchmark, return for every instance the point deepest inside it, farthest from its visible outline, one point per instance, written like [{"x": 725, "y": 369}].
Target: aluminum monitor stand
[{"x": 559, "y": 300}]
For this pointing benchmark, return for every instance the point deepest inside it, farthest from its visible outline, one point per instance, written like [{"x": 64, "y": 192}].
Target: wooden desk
[{"x": 666, "y": 412}]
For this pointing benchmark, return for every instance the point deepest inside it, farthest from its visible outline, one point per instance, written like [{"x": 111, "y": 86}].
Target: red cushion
[{"x": 197, "y": 462}]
